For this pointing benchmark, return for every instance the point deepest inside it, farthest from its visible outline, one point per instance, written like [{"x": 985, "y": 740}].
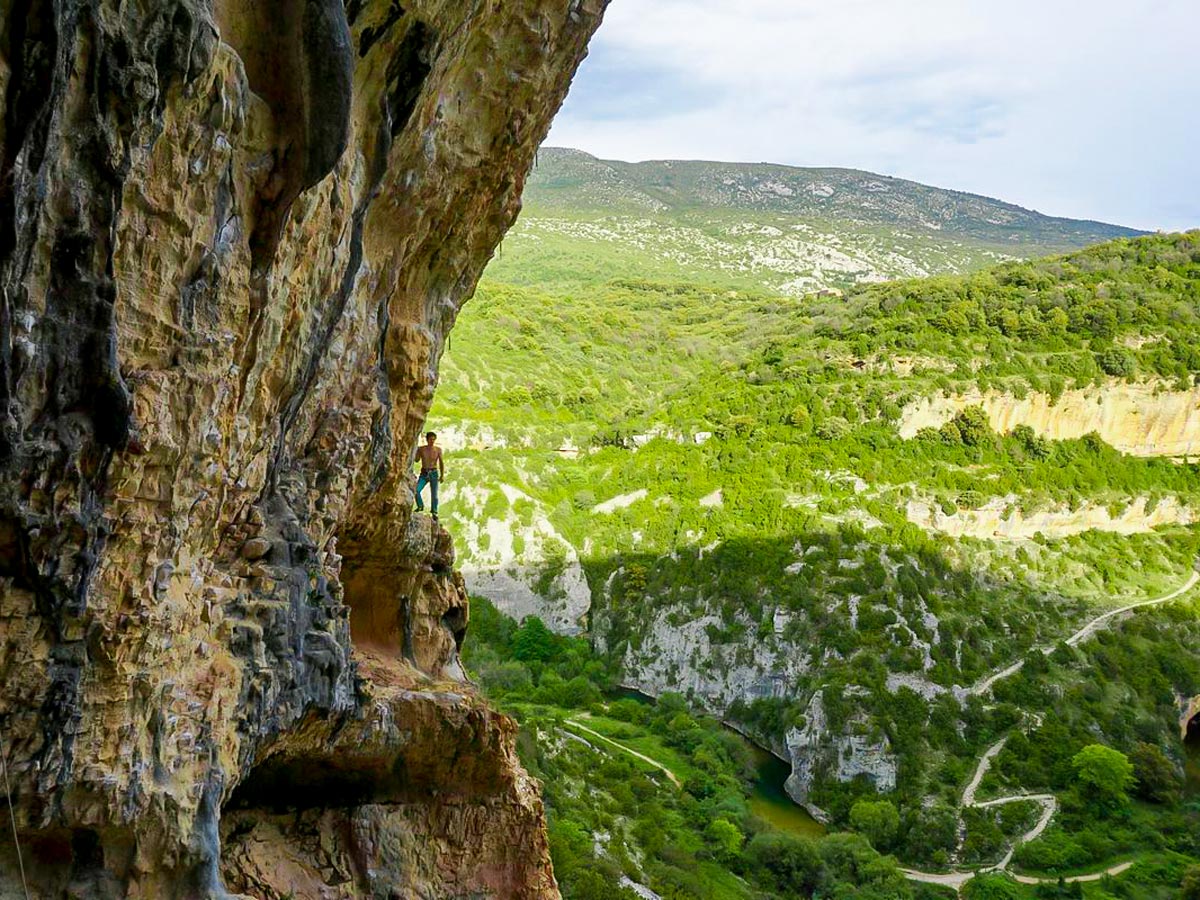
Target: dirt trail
[
  {"x": 1048, "y": 802},
  {"x": 1084, "y": 633},
  {"x": 575, "y": 723},
  {"x": 1071, "y": 879}
]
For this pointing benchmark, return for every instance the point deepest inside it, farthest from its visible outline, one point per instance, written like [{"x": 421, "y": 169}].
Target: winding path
[
  {"x": 574, "y": 723},
  {"x": 1083, "y": 634},
  {"x": 1048, "y": 802}
]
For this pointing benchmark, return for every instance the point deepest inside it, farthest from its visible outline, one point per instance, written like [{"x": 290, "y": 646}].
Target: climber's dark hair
[{"x": 430, "y": 434}]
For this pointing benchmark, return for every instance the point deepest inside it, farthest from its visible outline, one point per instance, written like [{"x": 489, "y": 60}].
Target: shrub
[
  {"x": 1034, "y": 446},
  {"x": 1190, "y": 886},
  {"x": 1116, "y": 361},
  {"x": 988, "y": 886},
  {"x": 507, "y": 677},
  {"x": 800, "y": 419},
  {"x": 725, "y": 837},
  {"x": 832, "y": 429}
]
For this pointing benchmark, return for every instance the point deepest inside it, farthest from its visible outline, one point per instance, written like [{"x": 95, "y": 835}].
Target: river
[{"x": 768, "y": 800}]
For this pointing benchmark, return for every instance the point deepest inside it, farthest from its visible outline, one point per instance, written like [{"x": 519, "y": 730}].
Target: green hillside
[{"x": 752, "y": 502}]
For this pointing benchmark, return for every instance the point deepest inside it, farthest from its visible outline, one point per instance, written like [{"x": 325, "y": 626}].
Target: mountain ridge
[
  {"x": 786, "y": 230},
  {"x": 560, "y": 160}
]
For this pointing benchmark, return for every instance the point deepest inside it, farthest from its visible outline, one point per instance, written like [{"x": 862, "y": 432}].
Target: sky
[{"x": 1080, "y": 108}]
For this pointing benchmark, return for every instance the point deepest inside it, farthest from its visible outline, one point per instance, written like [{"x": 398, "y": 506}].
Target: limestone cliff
[
  {"x": 1003, "y": 519},
  {"x": 233, "y": 237},
  {"x": 1147, "y": 419}
]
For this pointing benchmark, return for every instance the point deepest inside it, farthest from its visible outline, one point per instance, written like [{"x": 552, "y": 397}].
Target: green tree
[
  {"x": 1116, "y": 361},
  {"x": 725, "y": 837},
  {"x": 1009, "y": 322},
  {"x": 1057, "y": 321},
  {"x": 1035, "y": 446},
  {"x": 789, "y": 864},
  {"x": 989, "y": 886},
  {"x": 877, "y": 820},
  {"x": 973, "y": 426},
  {"x": 1104, "y": 774},
  {"x": 534, "y": 641},
  {"x": 1158, "y": 779}
]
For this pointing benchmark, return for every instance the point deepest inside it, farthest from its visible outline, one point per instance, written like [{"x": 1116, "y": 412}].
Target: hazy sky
[{"x": 1082, "y": 108}]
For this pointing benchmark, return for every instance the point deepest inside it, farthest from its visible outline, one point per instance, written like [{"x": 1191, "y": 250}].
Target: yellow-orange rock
[
  {"x": 1139, "y": 419},
  {"x": 233, "y": 237}
]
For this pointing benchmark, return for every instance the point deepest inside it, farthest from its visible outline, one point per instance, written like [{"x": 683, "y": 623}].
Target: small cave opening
[
  {"x": 288, "y": 827},
  {"x": 319, "y": 781},
  {"x": 73, "y": 862},
  {"x": 1191, "y": 748},
  {"x": 455, "y": 621},
  {"x": 407, "y": 72}
]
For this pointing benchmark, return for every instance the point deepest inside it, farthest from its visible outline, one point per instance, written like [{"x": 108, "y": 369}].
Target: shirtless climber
[{"x": 433, "y": 470}]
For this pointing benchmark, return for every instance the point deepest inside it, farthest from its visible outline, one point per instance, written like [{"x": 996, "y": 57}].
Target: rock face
[
  {"x": 846, "y": 756},
  {"x": 507, "y": 560},
  {"x": 233, "y": 238},
  {"x": 1139, "y": 419},
  {"x": 1002, "y": 518},
  {"x": 676, "y": 652}
]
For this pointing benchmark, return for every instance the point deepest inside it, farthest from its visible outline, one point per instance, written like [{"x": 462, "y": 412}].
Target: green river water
[{"x": 770, "y": 802}]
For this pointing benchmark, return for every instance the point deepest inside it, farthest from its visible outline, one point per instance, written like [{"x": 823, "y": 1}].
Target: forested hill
[{"x": 787, "y": 230}]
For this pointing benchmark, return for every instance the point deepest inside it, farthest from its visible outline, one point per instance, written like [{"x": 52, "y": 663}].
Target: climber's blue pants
[{"x": 431, "y": 479}]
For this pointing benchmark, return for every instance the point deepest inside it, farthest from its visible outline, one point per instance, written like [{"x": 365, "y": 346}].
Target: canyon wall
[
  {"x": 1139, "y": 419},
  {"x": 233, "y": 238},
  {"x": 1002, "y": 518}
]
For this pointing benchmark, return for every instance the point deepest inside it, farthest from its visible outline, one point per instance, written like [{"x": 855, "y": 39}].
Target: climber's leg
[
  {"x": 433, "y": 491},
  {"x": 421, "y": 482}
]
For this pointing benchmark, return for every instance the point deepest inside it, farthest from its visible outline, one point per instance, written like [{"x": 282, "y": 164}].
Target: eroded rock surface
[
  {"x": 847, "y": 755},
  {"x": 1003, "y": 519},
  {"x": 233, "y": 238},
  {"x": 1139, "y": 419}
]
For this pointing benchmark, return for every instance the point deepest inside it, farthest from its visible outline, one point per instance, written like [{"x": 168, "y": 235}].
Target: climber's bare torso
[{"x": 430, "y": 457}]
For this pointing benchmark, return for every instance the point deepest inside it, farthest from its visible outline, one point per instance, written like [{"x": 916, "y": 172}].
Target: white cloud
[{"x": 1084, "y": 108}]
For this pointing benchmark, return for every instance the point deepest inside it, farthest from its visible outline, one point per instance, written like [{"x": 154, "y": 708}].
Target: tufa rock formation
[{"x": 233, "y": 238}]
